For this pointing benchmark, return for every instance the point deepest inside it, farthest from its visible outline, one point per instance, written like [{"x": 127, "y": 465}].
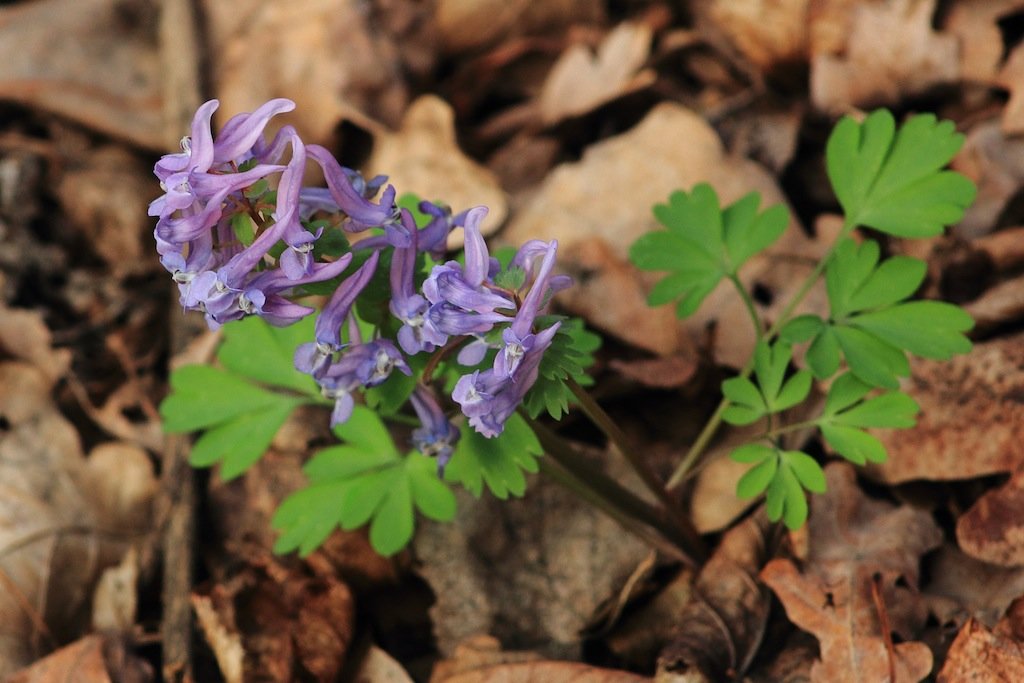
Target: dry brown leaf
[
  {"x": 975, "y": 24},
  {"x": 24, "y": 335},
  {"x": 290, "y": 623},
  {"x": 863, "y": 554},
  {"x": 597, "y": 207},
  {"x": 115, "y": 602},
  {"x": 84, "y": 657},
  {"x": 667, "y": 372},
  {"x": 326, "y": 55},
  {"x": 978, "y": 589},
  {"x": 891, "y": 52},
  {"x": 53, "y": 514},
  {"x": 992, "y": 530},
  {"x": 531, "y": 570},
  {"x": 466, "y": 25},
  {"x": 720, "y": 629},
  {"x": 224, "y": 641},
  {"x": 580, "y": 81},
  {"x": 105, "y": 196},
  {"x": 480, "y": 660},
  {"x": 995, "y": 162},
  {"x": 980, "y": 655},
  {"x": 972, "y": 419},
  {"x": 103, "y": 71},
  {"x": 649, "y": 626},
  {"x": 766, "y": 32},
  {"x": 1010, "y": 78},
  {"x": 424, "y": 158},
  {"x": 378, "y": 666}
]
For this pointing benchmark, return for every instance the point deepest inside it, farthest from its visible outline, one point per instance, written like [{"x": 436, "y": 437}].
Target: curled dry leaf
[
  {"x": 979, "y": 654},
  {"x": 969, "y": 405},
  {"x": 291, "y": 624},
  {"x": 103, "y": 72},
  {"x": 580, "y": 81},
  {"x": 58, "y": 528},
  {"x": 465, "y": 25},
  {"x": 599, "y": 206},
  {"x": 377, "y": 666},
  {"x": 424, "y": 158},
  {"x": 668, "y": 372},
  {"x": 861, "y": 576},
  {"x": 721, "y": 627},
  {"x": 992, "y": 530},
  {"x": 224, "y": 642},
  {"x": 891, "y": 53},
  {"x": 324, "y": 54}
]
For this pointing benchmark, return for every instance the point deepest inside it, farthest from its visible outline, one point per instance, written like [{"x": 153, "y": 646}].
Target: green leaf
[
  {"x": 202, "y": 396},
  {"x": 930, "y": 329},
  {"x": 893, "y": 181},
  {"x": 855, "y": 445},
  {"x": 844, "y": 392},
  {"x": 871, "y": 359},
  {"x": 743, "y": 392},
  {"x": 751, "y": 453},
  {"x": 570, "y": 354},
  {"x": 806, "y": 469},
  {"x": 893, "y": 409},
  {"x": 243, "y": 227},
  {"x": 801, "y": 329},
  {"x": 795, "y": 507},
  {"x": 265, "y": 353},
  {"x": 824, "y": 354},
  {"x": 794, "y": 391},
  {"x": 499, "y": 462},
  {"x": 364, "y": 480},
  {"x": 239, "y": 443},
  {"x": 757, "y": 478},
  {"x": 703, "y": 243}
]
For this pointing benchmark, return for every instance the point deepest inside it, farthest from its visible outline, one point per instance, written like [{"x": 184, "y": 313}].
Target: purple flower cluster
[{"x": 228, "y": 273}]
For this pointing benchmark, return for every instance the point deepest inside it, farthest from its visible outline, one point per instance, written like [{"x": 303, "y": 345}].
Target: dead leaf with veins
[
  {"x": 766, "y": 32},
  {"x": 859, "y": 584},
  {"x": 992, "y": 530},
  {"x": 979, "y": 654},
  {"x": 976, "y": 589},
  {"x": 580, "y": 81},
  {"x": 470, "y": 25},
  {"x": 424, "y": 158},
  {"x": 891, "y": 52},
  {"x": 976, "y": 27}
]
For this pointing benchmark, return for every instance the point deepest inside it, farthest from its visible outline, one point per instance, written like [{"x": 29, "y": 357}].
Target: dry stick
[
  {"x": 180, "y": 46},
  {"x": 690, "y": 537},
  {"x": 883, "y": 622}
]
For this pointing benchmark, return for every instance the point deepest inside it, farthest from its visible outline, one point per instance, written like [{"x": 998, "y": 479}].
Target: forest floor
[{"x": 569, "y": 119}]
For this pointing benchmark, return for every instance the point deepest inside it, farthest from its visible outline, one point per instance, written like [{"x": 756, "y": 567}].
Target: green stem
[
  {"x": 561, "y": 451},
  {"x": 715, "y": 421},
  {"x": 748, "y": 301},
  {"x": 560, "y": 475},
  {"x": 687, "y": 533}
]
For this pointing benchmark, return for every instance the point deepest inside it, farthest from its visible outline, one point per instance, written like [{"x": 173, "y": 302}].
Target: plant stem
[
  {"x": 715, "y": 421},
  {"x": 559, "y": 474},
  {"x": 749, "y": 303},
  {"x": 603, "y": 421}
]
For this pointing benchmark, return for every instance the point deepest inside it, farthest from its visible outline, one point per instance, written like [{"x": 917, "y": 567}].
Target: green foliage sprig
[{"x": 888, "y": 179}]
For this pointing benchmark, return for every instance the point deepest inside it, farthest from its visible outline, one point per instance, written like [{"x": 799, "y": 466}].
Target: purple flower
[
  {"x": 362, "y": 213},
  {"x": 488, "y": 399},
  {"x": 361, "y": 365},
  {"x": 461, "y": 297},
  {"x": 436, "y": 436},
  {"x": 518, "y": 337},
  {"x": 417, "y": 332},
  {"x": 313, "y": 358}
]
